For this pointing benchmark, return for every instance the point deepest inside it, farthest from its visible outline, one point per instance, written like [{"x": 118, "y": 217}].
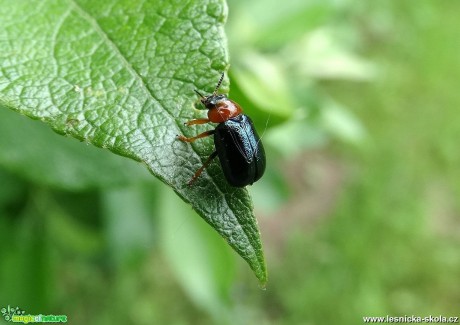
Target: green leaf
[
  {"x": 208, "y": 277},
  {"x": 48, "y": 159},
  {"x": 120, "y": 75}
]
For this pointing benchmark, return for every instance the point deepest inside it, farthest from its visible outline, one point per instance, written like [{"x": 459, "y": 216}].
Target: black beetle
[{"x": 238, "y": 146}]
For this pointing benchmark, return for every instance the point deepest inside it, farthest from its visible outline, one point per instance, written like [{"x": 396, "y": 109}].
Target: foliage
[
  {"x": 358, "y": 209},
  {"x": 120, "y": 75}
]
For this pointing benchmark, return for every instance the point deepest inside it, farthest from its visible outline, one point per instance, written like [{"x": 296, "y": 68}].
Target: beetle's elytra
[{"x": 237, "y": 144}]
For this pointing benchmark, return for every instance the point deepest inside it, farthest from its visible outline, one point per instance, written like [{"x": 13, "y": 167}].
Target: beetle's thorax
[{"x": 220, "y": 108}]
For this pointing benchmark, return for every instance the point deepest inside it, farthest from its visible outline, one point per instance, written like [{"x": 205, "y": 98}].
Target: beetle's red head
[{"x": 220, "y": 108}]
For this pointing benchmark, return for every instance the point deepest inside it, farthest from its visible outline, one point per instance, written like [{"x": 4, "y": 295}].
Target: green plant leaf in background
[
  {"x": 120, "y": 75},
  {"x": 52, "y": 160}
]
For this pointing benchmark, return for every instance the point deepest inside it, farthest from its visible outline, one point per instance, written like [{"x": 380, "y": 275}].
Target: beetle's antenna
[
  {"x": 219, "y": 83},
  {"x": 199, "y": 94}
]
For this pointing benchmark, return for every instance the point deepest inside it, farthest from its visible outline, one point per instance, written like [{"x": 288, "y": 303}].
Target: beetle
[{"x": 237, "y": 144}]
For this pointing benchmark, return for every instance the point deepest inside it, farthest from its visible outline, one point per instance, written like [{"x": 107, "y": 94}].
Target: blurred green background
[{"x": 358, "y": 104}]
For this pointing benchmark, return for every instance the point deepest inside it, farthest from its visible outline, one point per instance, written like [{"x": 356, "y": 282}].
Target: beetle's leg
[
  {"x": 201, "y": 135},
  {"x": 206, "y": 164},
  {"x": 197, "y": 121}
]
